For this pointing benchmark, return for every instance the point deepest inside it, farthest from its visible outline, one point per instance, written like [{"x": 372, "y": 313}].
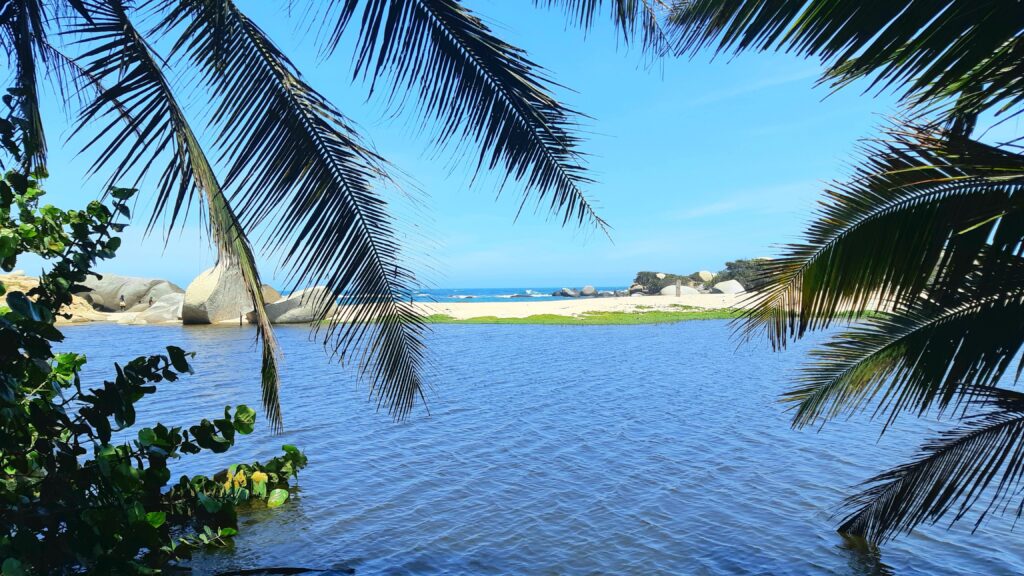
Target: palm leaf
[
  {"x": 919, "y": 208},
  {"x": 954, "y": 472},
  {"x": 477, "y": 89},
  {"x": 935, "y": 49},
  {"x": 923, "y": 356},
  {"x": 22, "y": 23},
  {"x": 142, "y": 120},
  {"x": 633, "y": 18},
  {"x": 298, "y": 168}
]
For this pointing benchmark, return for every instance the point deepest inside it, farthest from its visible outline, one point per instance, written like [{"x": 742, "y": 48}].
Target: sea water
[{"x": 652, "y": 449}]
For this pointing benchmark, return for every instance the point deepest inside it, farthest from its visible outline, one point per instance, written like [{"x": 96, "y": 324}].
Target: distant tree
[
  {"x": 749, "y": 273},
  {"x": 653, "y": 284},
  {"x": 932, "y": 222}
]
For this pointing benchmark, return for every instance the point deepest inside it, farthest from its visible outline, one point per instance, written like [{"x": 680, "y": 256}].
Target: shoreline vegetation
[
  {"x": 588, "y": 312},
  {"x": 594, "y": 318}
]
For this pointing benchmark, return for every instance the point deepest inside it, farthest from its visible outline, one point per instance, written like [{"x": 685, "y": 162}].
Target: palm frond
[
  {"x": 983, "y": 458},
  {"x": 298, "y": 167},
  {"x": 140, "y": 121},
  {"x": 935, "y": 49},
  {"x": 635, "y": 19},
  {"x": 920, "y": 206},
  {"x": 23, "y": 29},
  {"x": 923, "y": 356},
  {"x": 478, "y": 89}
]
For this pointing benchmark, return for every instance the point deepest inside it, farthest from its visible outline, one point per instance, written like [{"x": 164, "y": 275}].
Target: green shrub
[
  {"x": 749, "y": 273},
  {"x": 73, "y": 502},
  {"x": 653, "y": 285}
]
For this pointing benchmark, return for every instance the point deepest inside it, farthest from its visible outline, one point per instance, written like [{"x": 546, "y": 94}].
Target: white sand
[{"x": 523, "y": 307}]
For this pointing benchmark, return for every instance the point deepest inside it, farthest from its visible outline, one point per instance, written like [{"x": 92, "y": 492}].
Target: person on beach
[
  {"x": 151, "y": 301},
  {"x": 121, "y": 303}
]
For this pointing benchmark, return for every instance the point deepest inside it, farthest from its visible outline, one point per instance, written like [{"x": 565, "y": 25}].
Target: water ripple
[{"x": 551, "y": 450}]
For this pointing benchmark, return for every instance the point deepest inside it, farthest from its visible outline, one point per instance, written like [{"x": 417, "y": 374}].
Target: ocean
[
  {"x": 534, "y": 294},
  {"x": 650, "y": 449}
]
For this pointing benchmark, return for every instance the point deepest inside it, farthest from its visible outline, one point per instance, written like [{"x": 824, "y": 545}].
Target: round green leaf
[
  {"x": 277, "y": 497},
  {"x": 156, "y": 519},
  {"x": 245, "y": 419}
]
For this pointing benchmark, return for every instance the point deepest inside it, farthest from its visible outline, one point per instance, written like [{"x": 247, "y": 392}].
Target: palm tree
[
  {"x": 288, "y": 162},
  {"x": 930, "y": 226}
]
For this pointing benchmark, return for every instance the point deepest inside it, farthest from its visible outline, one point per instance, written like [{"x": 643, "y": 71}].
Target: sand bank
[{"x": 523, "y": 307}]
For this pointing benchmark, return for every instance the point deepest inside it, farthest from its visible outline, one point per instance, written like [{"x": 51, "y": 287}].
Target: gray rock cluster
[
  {"x": 683, "y": 290},
  {"x": 105, "y": 293},
  {"x": 219, "y": 295},
  {"x": 588, "y": 291},
  {"x": 728, "y": 287},
  {"x": 302, "y": 307},
  {"x": 216, "y": 295},
  {"x": 696, "y": 283},
  {"x": 165, "y": 309}
]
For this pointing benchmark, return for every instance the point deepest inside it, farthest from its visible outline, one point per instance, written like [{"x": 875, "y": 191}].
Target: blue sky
[{"x": 696, "y": 162}]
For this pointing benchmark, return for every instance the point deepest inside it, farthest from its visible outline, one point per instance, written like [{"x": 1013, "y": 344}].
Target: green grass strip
[{"x": 596, "y": 318}]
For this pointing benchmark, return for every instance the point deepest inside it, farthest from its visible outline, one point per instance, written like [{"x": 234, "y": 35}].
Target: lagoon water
[{"x": 656, "y": 449}]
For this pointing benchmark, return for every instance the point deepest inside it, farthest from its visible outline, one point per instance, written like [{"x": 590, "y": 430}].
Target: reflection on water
[
  {"x": 551, "y": 450},
  {"x": 864, "y": 558}
]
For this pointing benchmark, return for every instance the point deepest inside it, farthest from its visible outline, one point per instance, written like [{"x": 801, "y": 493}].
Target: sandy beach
[{"x": 523, "y": 307}]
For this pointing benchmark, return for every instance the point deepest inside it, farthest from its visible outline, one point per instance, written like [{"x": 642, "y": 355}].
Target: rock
[
  {"x": 683, "y": 290},
  {"x": 636, "y": 288},
  {"x": 728, "y": 287},
  {"x": 660, "y": 275},
  {"x": 622, "y": 292},
  {"x": 80, "y": 309},
  {"x": 705, "y": 276},
  {"x": 166, "y": 309},
  {"x": 567, "y": 293},
  {"x": 216, "y": 295},
  {"x": 269, "y": 294},
  {"x": 588, "y": 290},
  {"x": 636, "y": 294},
  {"x": 105, "y": 293},
  {"x": 301, "y": 307}
]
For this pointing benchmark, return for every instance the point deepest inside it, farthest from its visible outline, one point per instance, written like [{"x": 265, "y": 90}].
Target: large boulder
[
  {"x": 567, "y": 293},
  {"x": 270, "y": 295},
  {"x": 660, "y": 275},
  {"x": 216, "y": 295},
  {"x": 728, "y": 287},
  {"x": 300, "y": 307},
  {"x": 705, "y": 276},
  {"x": 166, "y": 309},
  {"x": 683, "y": 290},
  {"x": 588, "y": 290},
  {"x": 105, "y": 293},
  {"x": 636, "y": 288}
]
